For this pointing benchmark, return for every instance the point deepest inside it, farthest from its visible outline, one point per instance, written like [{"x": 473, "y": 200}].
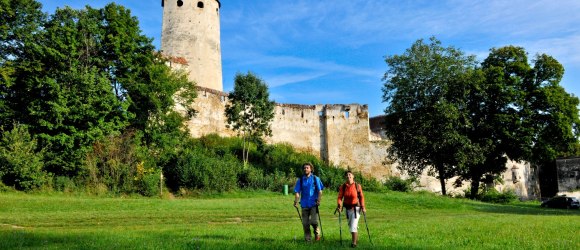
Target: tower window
[
  {"x": 200, "y": 4},
  {"x": 179, "y": 3}
]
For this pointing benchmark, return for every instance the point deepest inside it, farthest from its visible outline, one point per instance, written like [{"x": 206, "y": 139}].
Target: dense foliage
[
  {"x": 466, "y": 120},
  {"x": 425, "y": 91},
  {"x": 79, "y": 83}
]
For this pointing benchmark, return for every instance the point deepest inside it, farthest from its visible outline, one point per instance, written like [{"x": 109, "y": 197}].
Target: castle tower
[{"x": 191, "y": 29}]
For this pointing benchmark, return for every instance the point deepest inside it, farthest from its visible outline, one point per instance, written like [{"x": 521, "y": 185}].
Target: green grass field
[{"x": 261, "y": 220}]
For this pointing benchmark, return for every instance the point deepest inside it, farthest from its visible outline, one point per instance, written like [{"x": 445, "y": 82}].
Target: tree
[
  {"x": 446, "y": 114},
  {"x": 19, "y": 21},
  {"x": 249, "y": 111},
  {"x": 520, "y": 112},
  {"x": 426, "y": 96},
  {"x": 88, "y": 74}
]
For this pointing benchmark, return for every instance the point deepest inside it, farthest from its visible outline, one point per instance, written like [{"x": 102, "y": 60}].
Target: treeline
[{"x": 87, "y": 105}]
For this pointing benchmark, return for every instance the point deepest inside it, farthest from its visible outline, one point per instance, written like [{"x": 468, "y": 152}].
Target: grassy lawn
[{"x": 263, "y": 220}]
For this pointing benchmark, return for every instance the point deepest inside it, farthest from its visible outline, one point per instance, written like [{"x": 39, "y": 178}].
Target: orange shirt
[{"x": 350, "y": 195}]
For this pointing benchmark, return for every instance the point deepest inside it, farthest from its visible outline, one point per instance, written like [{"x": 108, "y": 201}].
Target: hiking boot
[
  {"x": 317, "y": 238},
  {"x": 353, "y": 245}
]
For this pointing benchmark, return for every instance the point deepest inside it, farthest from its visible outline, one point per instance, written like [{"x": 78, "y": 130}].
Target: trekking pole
[
  {"x": 320, "y": 221},
  {"x": 339, "y": 223},
  {"x": 299, "y": 217},
  {"x": 367, "y": 225}
]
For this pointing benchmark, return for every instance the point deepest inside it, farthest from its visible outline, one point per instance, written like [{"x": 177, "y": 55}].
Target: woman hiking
[{"x": 350, "y": 197}]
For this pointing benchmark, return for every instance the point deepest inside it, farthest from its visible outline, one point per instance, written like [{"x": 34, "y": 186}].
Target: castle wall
[
  {"x": 210, "y": 117},
  {"x": 298, "y": 125},
  {"x": 338, "y": 134},
  {"x": 568, "y": 172}
]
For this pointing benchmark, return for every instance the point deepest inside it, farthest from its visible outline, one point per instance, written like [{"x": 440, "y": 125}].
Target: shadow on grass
[
  {"x": 24, "y": 239},
  {"x": 523, "y": 210}
]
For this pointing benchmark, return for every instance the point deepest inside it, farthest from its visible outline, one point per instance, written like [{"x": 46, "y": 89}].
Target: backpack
[
  {"x": 357, "y": 186},
  {"x": 316, "y": 179}
]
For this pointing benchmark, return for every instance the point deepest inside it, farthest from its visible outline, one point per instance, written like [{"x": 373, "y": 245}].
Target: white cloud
[
  {"x": 565, "y": 49},
  {"x": 283, "y": 79}
]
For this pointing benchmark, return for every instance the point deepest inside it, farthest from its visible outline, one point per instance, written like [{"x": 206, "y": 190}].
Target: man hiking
[
  {"x": 354, "y": 202},
  {"x": 308, "y": 191}
]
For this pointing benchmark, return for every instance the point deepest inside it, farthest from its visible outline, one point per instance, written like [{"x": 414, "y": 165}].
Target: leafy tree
[
  {"x": 520, "y": 112},
  {"x": 426, "y": 94},
  {"x": 249, "y": 111},
  {"x": 90, "y": 73},
  {"x": 19, "y": 21},
  {"x": 445, "y": 113}
]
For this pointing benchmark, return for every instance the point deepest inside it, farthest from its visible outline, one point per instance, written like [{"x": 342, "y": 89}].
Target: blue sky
[{"x": 332, "y": 51}]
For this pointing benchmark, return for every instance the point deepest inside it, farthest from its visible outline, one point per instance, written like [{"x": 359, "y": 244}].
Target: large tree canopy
[
  {"x": 424, "y": 88},
  {"x": 81, "y": 75},
  {"x": 447, "y": 114},
  {"x": 520, "y": 112}
]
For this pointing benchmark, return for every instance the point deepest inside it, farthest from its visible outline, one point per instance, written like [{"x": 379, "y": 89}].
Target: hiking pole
[
  {"x": 297, "y": 211},
  {"x": 367, "y": 225},
  {"x": 339, "y": 223},
  {"x": 320, "y": 221}
]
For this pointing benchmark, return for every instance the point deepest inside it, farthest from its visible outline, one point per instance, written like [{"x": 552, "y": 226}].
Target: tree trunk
[
  {"x": 441, "y": 171},
  {"x": 244, "y": 149},
  {"x": 475, "y": 180}
]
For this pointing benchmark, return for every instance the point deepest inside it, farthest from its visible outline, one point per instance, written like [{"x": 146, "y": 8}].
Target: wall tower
[{"x": 191, "y": 29}]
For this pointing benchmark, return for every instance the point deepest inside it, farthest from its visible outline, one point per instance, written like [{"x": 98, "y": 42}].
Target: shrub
[
  {"x": 395, "y": 183},
  {"x": 113, "y": 163},
  {"x": 194, "y": 169},
  {"x": 254, "y": 178},
  {"x": 148, "y": 180},
  {"x": 64, "y": 184},
  {"x": 493, "y": 196},
  {"x": 21, "y": 164}
]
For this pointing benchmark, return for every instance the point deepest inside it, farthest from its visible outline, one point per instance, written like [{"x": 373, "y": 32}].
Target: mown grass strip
[{"x": 261, "y": 220}]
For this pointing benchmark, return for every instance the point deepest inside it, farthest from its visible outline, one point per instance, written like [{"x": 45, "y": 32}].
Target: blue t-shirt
[{"x": 309, "y": 190}]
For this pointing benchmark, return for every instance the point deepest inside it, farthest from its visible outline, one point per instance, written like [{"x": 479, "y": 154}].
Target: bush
[
  {"x": 254, "y": 178},
  {"x": 21, "y": 164},
  {"x": 395, "y": 183},
  {"x": 193, "y": 169},
  {"x": 113, "y": 163},
  {"x": 148, "y": 180},
  {"x": 64, "y": 184},
  {"x": 494, "y": 196}
]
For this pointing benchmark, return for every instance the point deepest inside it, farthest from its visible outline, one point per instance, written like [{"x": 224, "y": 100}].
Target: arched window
[
  {"x": 179, "y": 3},
  {"x": 200, "y": 4}
]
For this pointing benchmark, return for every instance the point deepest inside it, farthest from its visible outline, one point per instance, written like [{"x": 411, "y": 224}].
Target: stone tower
[{"x": 191, "y": 30}]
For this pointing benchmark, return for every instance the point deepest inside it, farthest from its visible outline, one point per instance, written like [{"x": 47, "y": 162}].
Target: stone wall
[
  {"x": 338, "y": 134},
  {"x": 568, "y": 170}
]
